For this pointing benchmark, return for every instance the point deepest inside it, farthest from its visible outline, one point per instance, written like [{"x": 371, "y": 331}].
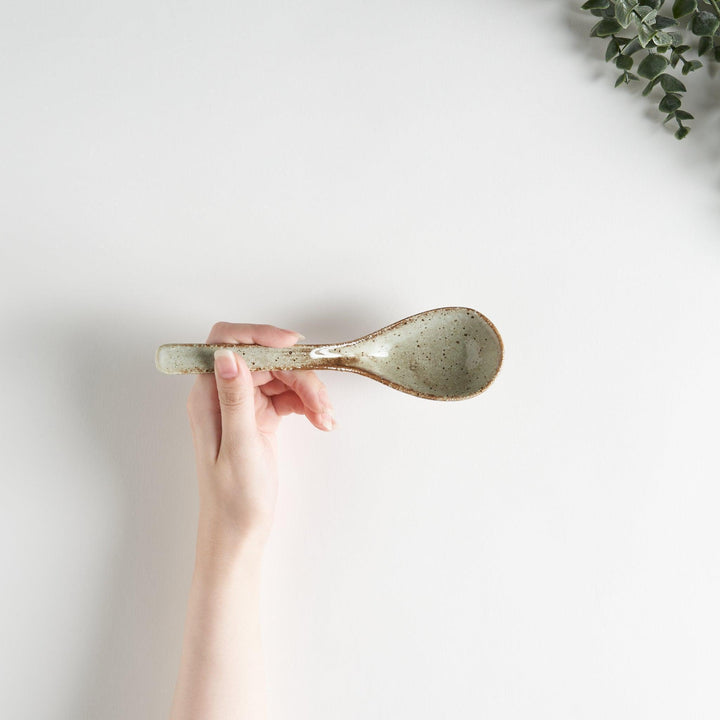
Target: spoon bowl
[{"x": 448, "y": 353}]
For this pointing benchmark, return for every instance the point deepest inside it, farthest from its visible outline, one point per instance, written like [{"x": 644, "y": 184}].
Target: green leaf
[
  {"x": 670, "y": 103},
  {"x": 612, "y": 50},
  {"x": 596, "y": 4},
  {"x": 605, "y": 28},
  {"x": 624, "y": 62},
  {"x": 682, "y": 115},
  {"x": 622, "y": 78},
  {"x": 645, "y": 35},
  {"x": 623, "y": 13},
  {"x": 688, "y": 67},
  {"x": 704, "y": 45},
  {"x": 649, "y": 17},
  {"x": 652, "y": 65},
  {"x": 662, "y": 38},
  {"x": 669, "y": 117},
  {"x": 681, "y": 8},
  {"x": 632, "y": 47},
  {"x": 663, "y": 22},
  {"x": 682, "y": 132},
  {"x": 648, "y": 88},
  {"x": 705, "y": 23},
  {"x": 717, "y": 53},
  {"x": 670, "y": 84}
]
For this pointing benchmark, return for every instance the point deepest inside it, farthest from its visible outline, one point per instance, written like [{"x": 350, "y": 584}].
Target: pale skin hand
[{"x": 233, "y": 417}]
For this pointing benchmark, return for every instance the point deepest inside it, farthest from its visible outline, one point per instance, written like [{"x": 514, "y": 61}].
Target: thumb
[{"x": 236, "y": 394}]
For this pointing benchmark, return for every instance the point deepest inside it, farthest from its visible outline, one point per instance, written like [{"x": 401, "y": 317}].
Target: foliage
[{"x": 660, "y": 43}]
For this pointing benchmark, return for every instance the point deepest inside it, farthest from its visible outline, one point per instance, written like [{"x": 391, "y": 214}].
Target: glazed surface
[{"x": 443, "y": 354}]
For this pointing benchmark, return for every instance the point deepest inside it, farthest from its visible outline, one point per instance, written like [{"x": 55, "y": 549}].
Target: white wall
[{"x": 546, "y": 550}]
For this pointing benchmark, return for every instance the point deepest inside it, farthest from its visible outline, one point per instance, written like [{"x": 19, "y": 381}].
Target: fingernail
[
  {"x": 301, "y": 337},
  {"x": 225, "y": 364},
  {"x": 327, "y": 421}
]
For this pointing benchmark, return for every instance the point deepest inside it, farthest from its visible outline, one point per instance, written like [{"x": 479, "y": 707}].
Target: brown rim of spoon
[
  {"x": 344, "y": 363},
  {"x": 417, "y": 393}
]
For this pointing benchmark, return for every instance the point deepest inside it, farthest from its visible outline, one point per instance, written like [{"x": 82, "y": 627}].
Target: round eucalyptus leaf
[
  {"x": 645, "y": 35},
  {"x": 688, "y": 67},
  {"x": 652, "y": 65},
  {"x": 605, "y": 28},
  {"x": 662, "y": 38},
  {"x": 681, "y": 8},
  {"x": 670, "y": 103},
  {"x": 612, "y": 50},
  {"x": 705, "y": 23},
  {"x": 632, "y": 47},
  {"x": 671, "y": 84},
  {"x": 704, "y": 45},
  {"x": 649, "y": 87}
]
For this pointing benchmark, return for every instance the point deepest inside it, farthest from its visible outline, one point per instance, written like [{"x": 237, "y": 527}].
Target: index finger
[
  {"x": 247, "y": 334},
  {"x": 203, "y": 404}
]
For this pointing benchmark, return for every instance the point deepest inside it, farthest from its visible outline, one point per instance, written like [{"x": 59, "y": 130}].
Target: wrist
[{"x": 223, "y": 548}]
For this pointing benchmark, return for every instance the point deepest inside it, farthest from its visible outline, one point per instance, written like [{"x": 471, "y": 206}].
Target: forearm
[{"x": 221, "y": 672}]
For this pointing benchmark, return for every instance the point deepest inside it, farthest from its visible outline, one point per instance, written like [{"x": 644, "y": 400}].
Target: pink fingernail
[{"x": 225, "y": 365}]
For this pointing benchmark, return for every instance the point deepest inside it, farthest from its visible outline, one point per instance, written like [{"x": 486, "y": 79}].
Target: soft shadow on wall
[{"x": 134, "y": 418}]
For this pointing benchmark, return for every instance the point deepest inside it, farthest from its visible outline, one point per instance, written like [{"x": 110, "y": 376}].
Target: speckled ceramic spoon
[{"x": 444, "y": 354}]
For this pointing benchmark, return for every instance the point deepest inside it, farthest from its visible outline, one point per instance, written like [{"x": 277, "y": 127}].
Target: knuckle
[{"x": 232, "y": 398}]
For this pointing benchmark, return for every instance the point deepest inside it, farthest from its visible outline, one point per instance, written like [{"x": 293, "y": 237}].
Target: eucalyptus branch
[{"x": 655, "y": 35}]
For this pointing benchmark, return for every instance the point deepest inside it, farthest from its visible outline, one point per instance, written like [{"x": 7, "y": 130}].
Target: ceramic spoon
[{"x": 444, "y": 354}]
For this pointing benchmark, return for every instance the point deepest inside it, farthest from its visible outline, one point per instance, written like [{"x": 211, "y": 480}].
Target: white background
[{"x": 548, "y": 549}]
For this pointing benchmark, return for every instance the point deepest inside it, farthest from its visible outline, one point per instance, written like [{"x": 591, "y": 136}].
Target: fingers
[
  {"x": 203, "y": 411},
  {"x": 293, "y": 391},
  {"x": 268, "y": 335},
  {"x": 289, "y": 402},
  {"x": 313, "y": 395},
  {"x": 307, "y": 386},
  {"x": 274, "y": 387},
  {"x": 261, "y": 377},
  {"x": 236, "y": 395}
]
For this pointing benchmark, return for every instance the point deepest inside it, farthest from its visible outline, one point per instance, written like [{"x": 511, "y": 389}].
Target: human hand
[{"x": 233, "y": 417}]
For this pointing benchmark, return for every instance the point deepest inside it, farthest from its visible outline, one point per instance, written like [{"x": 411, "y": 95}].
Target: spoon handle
[{"x": 183, "y": 359}]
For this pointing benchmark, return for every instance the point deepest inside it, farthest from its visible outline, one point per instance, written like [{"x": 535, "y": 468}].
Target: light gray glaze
[{"x": 444, "y": 354}]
